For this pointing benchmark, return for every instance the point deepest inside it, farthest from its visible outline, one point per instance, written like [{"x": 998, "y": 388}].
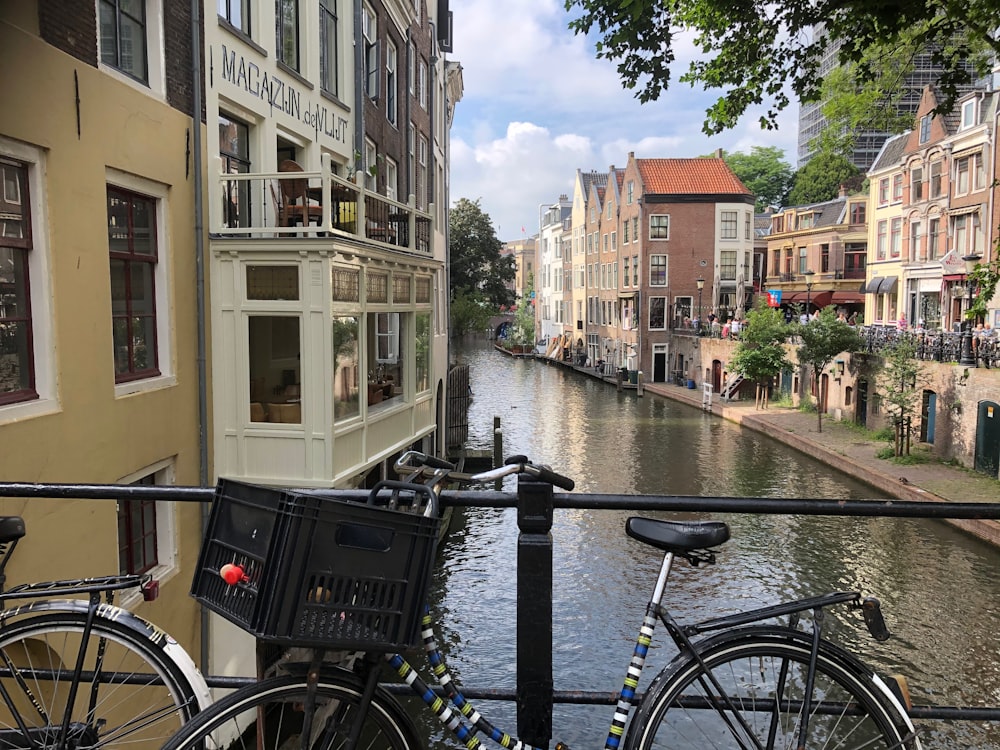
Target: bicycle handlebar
[{"x": 420, "y": 464}]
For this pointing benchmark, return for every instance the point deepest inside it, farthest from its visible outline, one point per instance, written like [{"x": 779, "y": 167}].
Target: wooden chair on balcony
[{"x": 297, "y": 203}]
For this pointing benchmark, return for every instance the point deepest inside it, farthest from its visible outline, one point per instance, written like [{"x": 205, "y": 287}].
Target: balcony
[{"x": 297, "y": 203}]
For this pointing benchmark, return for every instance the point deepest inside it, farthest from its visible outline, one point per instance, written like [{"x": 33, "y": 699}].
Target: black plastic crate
[
  {"x": 241, "y": 531},
  {"x": 336, "y": 573},
  {"x": 354, "y": 576}
]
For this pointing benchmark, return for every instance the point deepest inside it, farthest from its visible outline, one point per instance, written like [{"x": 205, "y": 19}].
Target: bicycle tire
[
  {"x": 112, "y": 708},
  {"x": 747, "y": 663},
  {"x": 234, "y": 721}
]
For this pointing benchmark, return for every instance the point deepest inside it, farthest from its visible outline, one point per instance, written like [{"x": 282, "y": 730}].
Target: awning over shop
[
  {"x": 847, "y": 298},
  {"x": 820, "y": 299},
  {"x": 882, "y": 285}
]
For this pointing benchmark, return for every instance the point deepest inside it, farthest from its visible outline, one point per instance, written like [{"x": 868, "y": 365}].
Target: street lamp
[
  {"x": 809, "y": 285},
  {"x": 967, "y": 358},
  {"x": 701, "y": 285}
]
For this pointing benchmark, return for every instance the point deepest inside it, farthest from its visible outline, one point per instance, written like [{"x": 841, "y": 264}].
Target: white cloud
[{"x": 538, "y": 105}]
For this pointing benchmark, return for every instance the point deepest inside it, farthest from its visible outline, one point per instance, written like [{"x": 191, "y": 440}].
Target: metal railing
[
  {"x": 317, "y": 204},
  {"x": 933, "y": 346},
  {"x": 536, "y": 503}
]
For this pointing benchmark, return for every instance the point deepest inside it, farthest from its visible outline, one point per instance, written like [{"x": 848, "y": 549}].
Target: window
[
  {"x": 422, "y": 83},
  {"x": 614, "y": 240},
  {"x": 123, "y": 37},
  {"x": 391, "y": 179},
  {"x": 897, "y": 187},
  {"x": 659, "y": 227},
  {"x": 17, "y": 376},
  {"x": 803, "y": 260},
  {"x": 329, "y": 58},
  {"x": 968, "y": 114},
  {"x": 748, "y": 224},
  {"x": 275, "y": 374},
  {"x": 916, "y": 184},
  {"x": 657, "y": 313},
  {"x": 236, "y": 13},
  {"x": 855, "y": 257},
  {"x": 895, "y": 237},
  {"x": 630, "y": 192},
  {"x": 804, "y": 221},
  {"x": 935, "y": 186},
  {"x": 778, "y": 225},
  {"x": 914, "y": 252},
  {"x": 625, "y": 232},
  {"x": 979, "y": 173},
  {"x": 729, "y": 225},
  {"x": 369, "y": 31},
  {"x": 858, "y": 211},
  {"x": 371, "y": 165},
  {"x": 635, "y": 270},
  {"x": 635, "y": 229},
  {"x": 287, "y": 27},
  {"x": 824, "y": 258},
  {"x": 962, "y": 176},
  {"x": 346, "y": 363},
  {"x": 883, "y": 191},
  {"x": 882, "y": 238},
  {"x": 933, "y": 227},
  {"x": 925, "y": 128},
  {"x": 626, "y": 279},
  {"x": 234, "y": 152},
  {"x": 421, "y": 171},
  {"x": 133, "y": 256},
  {"x": 657, "y": 270},
  {"x": 727, "y": 265},
  {"x": 145, "y": 527},
  {"x": 390, "y": 82},
  {"x": 423, "y": 351},
  {"x": 960, "y": 232},
  {"x": 411, "y": 69}
]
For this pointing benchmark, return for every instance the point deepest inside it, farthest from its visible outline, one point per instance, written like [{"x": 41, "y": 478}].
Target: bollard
[
  {"x": 534, "y": 611},
  {"x": 498, "y": 457}
]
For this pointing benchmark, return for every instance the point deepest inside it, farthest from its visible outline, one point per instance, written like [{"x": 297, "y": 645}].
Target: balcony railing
[{"x": 317, "y": 204}]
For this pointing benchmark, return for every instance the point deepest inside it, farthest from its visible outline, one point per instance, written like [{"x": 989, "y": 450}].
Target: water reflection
[{"x": 939, "y": 588}]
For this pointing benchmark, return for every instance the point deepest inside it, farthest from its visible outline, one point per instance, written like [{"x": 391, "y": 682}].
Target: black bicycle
[
  {"x": 78, "y": 672},
  {"x": 742, "y": 681}
]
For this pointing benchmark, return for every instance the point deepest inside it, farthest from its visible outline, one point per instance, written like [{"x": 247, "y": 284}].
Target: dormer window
[
  {"x": 969, "y": 114},
  {"x": 804, "y": 221}
]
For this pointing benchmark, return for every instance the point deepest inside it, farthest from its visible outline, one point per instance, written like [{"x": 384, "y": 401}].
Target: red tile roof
[{"x": 689, "y": 177}]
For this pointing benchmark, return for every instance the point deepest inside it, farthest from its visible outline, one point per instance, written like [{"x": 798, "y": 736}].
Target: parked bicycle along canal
[{"x": 940, "y": 589}]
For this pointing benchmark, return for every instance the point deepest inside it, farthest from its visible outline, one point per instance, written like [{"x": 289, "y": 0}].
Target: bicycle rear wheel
[
  {"x": 758, "y": 700},
  {"x": 137, "y": 698},
  {"x": 270, "y": 715}
]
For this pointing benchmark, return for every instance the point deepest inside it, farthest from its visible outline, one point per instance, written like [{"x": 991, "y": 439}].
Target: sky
[{"x": 538, "y": 105}]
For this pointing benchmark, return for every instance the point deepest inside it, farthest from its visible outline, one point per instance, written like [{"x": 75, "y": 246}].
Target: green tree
[
  {"x": 761, "y": 354},
  {"x": 768, "y": 54},
  {"x": 476, "y": 265},
  {"x": 820, "y": 179},
  {"x": 765, "y": 173},
  {"x": 898, "y": 380},
  {"x": 823, "y": 338},
  {"x": 470, "y": 313},
  {"x": 986, "y": 277}
]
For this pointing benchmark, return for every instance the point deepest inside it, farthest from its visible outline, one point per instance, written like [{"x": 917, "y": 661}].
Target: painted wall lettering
[{"x": 283, "y": 96}]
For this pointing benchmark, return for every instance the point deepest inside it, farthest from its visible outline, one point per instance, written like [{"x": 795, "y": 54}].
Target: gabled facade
[
  {"x": 326, "y": 200},
  {"x": 584, "y": 224},
  {"x": 689, "y": 219},
  {"x": 931, "y": 205},
  {"x": 549, "y": 307},
  {"x": 816, "y": 254},
  {"x": 607, "y": 313}
]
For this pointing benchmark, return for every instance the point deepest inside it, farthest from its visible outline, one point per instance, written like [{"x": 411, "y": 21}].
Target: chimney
[
  {"x": 718, "y": 153},
  {"x": 843, "y": 190}
]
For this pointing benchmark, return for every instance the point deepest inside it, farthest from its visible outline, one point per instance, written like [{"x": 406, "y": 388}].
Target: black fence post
[{"x": 534, "y": 611}]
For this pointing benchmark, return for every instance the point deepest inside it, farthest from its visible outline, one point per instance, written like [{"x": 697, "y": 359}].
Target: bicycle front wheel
[
  {"x": 128, "y": 693},
  {"x": 751, "y": 694},
  {"x": 271, "y": 714}
]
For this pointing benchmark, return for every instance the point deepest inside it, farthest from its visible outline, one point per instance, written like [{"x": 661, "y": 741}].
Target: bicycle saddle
[
  {"x": 677, "y": 536},
  {"x": 11, "y": 528}
]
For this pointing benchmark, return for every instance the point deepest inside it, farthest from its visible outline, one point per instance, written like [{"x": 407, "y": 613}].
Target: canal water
[{"x": 940, "y": 589}]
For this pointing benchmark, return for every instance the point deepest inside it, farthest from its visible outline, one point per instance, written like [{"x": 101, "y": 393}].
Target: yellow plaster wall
[{"x": 94, "y": 436}]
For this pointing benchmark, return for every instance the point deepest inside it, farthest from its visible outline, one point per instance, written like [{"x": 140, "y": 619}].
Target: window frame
[
  {"x": 659, "y": 226},
  {"x": 658, "y": 270},
  {"x": 287, "y": 44},
  {"x": 925, "y": 128},
  {"x": 370, "y": 56},
  {"x": 729, "y": 224},
  {"x": 162, "y": 473},
  {"x": 661, "y": 303},
  {"x": 240, "y": 18},
  {"x": 391, "y": 98},
  {"x": 21, "y": 255},
  {"x": 112, "y": 56},
  {"x": 329, "y": 47}
]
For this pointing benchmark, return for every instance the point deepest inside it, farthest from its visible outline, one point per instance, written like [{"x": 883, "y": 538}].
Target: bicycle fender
[{"x": 144, "y": 629}]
